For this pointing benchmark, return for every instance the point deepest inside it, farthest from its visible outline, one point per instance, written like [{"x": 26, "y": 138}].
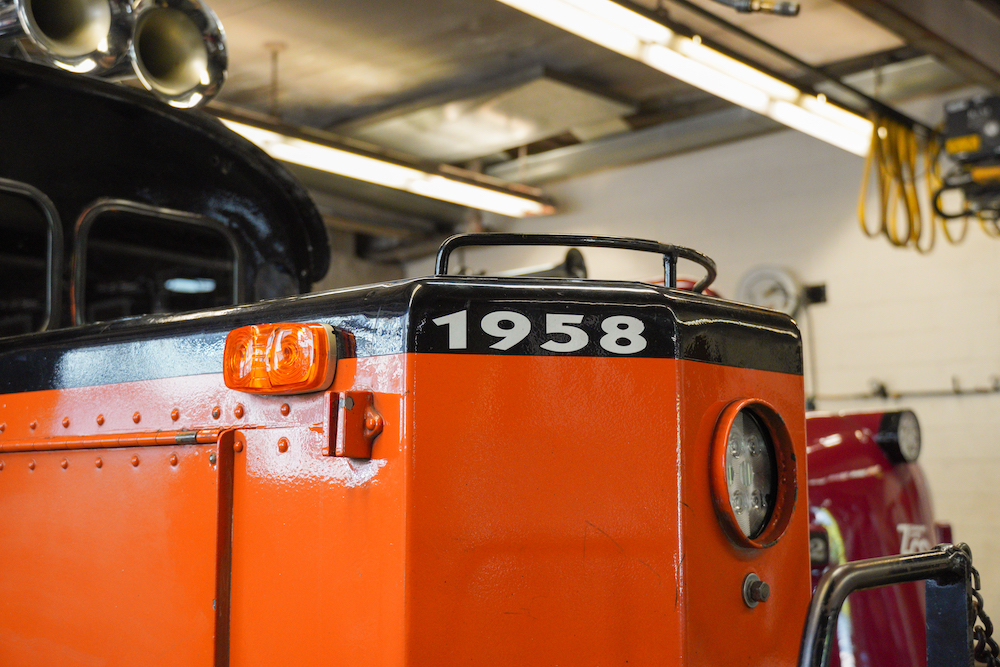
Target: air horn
[{"x": 176, "y": 48}]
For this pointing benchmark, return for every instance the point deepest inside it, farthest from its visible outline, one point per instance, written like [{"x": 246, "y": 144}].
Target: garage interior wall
[{"x": 914, "y": 322}]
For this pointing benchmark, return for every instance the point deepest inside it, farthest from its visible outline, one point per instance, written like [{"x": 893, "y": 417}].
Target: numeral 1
[{"x": 458, "y": 325}]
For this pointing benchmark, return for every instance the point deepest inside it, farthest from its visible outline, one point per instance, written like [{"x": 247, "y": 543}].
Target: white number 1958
[{"x": 622, "y": 333}]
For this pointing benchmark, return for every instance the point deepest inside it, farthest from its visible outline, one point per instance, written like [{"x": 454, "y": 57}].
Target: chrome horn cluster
[{"x": 176, "y": 48}]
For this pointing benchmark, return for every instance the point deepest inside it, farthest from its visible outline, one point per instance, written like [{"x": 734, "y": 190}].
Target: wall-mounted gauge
[{"x": 771, "y": 287}]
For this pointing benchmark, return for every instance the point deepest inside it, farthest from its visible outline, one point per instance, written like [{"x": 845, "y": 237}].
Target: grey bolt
[{"x": 755, "y": 591}]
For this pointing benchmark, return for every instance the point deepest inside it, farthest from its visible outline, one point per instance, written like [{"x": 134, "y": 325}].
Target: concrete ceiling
[{"x": 347, "y": 65}]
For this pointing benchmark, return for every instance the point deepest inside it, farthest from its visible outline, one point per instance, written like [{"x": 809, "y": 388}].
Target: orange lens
[
  {"x": 239, "y": 355},
  {"x": 284, "y": 358}
]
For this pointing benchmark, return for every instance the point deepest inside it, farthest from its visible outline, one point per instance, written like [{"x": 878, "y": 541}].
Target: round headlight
[
  {"x": 899, "y": 436},
  {"x": 750, "y": 473},
  {"x": 753, "y": 473}
]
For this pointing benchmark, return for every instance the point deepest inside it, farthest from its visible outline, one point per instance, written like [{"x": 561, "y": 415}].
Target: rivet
[
  {"x": 3, "y": 427},
  {"x": 98, "y": 462},
  {"x": 31, "y": 465},
  {"x": 135, "y": 461},
  {"x": 100, "y": 420},
  {"x": 211, "y": 458},
  {"x": 237, "y": 446},
  {"x": 65, "y": 422},
  {"x": 1, "y": 465},
  {"x": 175, "y": 414},
  {"x": 371, "y": 423},
  {"x": 216, "y": 412},
  {"x": 238, "y": 411},
  {"x": 173, "y": 459},
  {"x": 285, "y": 409},
  {"x": 282, "y": 445},
  {"x": 137, "y": 418},
  {"x": 64, "y": 463},
  {"x": 33, "y": 425}
]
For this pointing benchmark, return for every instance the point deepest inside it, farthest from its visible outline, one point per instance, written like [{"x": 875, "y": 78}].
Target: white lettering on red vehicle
[{"x": 913, "y": 538}]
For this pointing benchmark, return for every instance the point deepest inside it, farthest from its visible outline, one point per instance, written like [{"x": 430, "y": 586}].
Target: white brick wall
[{"x": 911, "y": 321}]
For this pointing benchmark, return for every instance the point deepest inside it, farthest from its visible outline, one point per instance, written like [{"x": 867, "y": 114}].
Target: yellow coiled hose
[{"x": 906, "y": 176}]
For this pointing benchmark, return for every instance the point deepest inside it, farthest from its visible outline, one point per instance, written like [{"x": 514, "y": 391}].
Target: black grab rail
[
  {"x": 948, "y": 566},
  {"x": 671, "y": 253}
]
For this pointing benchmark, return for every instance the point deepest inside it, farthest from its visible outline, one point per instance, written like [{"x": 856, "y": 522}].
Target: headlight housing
[
  {"x": 899, "y": 436},
  {"x": 753, "y": 472}
]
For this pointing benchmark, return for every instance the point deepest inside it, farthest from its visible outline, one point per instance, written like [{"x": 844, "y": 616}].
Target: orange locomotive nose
[
  {"x": 562, "y": 508},
  {"x": 560, "y": 473}
]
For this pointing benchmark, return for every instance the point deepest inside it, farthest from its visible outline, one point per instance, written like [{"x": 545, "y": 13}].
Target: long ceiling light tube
[
  {"x": 373, "y": 169},
  {"x": 631, "y": 34}
]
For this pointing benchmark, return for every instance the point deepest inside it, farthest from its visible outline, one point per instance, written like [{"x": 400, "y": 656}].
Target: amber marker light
[{"x": 283, "y": 358}]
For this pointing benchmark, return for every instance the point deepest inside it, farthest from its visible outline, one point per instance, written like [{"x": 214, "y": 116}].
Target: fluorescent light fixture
[
  {"x": 631, "y": 34},
  {"x": 372, "y": 169}
]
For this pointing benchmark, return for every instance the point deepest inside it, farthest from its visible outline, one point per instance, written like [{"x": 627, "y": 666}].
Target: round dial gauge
[{"x": 771, "y": 287}]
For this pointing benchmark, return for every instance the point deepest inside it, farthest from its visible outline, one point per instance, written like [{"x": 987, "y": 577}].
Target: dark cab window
[
  {"x": 139, "y": 263},
  {"x": 24, "y": 264}
]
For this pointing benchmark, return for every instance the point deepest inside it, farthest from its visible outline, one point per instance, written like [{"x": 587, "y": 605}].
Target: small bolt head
[
  {"x": 238, "y": 446},
  {"x": 100, "y": 420},
  {"x": 760, "y": 591},
  {"x": 31, "y": 465},
  {"x": 755, "y": 591},
  {"x": 99, "y": 463},
  {"x": 33, "y": 425},
  {"x": 282, "y": 445},
  {"x": 216, "y": 412},
  {"x": 135, "y": 461},
  {"x": 285, "y": 409},
  {"x": 3, "y": 427},
  {"x": 1, "y": 465},
  {"x": 64, "y": 463},
  {"x": 175, "y": 414},
  {"x": 65, "y": 422},
  {"x": 174, "y": 460},
  {"x": 238, "y": 411},
  {"x": 212, "y": 458},
  {"x": 136, "y": 417}
]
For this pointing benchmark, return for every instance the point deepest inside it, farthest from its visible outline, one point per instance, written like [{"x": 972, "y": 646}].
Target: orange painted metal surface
[
  {"x": 110, "y": 563},
  {"x": 181, "y": 404},
  {"x": 319, "y": 542},
  {"x": 720, "y": 627},
  {"x": 516, "y": 510},
  {"x": 543, "y": 512},
  {"x": 561, "y": 513}
]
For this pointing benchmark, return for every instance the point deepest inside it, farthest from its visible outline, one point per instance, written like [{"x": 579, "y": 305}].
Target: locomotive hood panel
[{"x": 547, "y": 479}]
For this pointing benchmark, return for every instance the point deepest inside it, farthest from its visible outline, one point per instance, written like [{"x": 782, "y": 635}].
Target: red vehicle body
[{"x": 865, "y": 505}]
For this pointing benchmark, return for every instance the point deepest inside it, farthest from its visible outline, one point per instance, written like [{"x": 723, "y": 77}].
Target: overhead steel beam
[
  {"x": 353, "y": 216},
  {"x": 962, "y": 34},
  {"x": 650, "y": 143}
]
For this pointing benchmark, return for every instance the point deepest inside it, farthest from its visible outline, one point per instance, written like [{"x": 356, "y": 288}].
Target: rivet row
[
  {"x": 238, "y": 411},
  {"x": 99, "y": 462}
]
